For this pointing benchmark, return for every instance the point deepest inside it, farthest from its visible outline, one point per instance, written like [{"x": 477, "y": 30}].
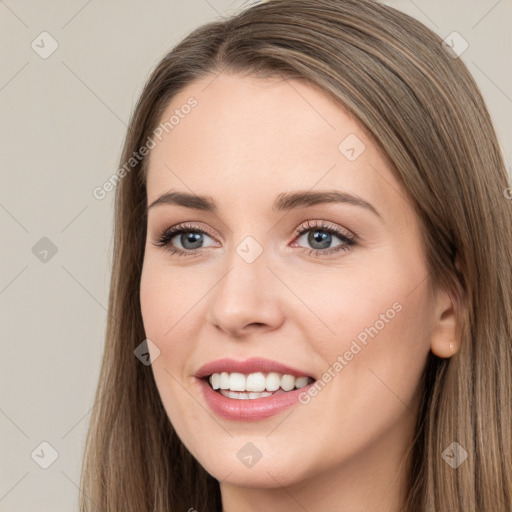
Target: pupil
[
  {"x": 194, "y": 238},
  {"x": 319, "y": 237}
]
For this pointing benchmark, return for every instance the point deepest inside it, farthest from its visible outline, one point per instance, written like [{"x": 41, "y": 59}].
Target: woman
[{"x": 312, "y": 268}]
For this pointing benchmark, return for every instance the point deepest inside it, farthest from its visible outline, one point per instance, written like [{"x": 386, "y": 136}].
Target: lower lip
[{"x": 249, "y": 409}]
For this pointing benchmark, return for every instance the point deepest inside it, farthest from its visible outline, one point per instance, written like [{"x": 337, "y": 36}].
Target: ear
[{"x": 444, "y": 342}]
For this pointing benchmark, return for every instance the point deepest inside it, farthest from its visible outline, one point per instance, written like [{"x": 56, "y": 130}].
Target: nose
[{"x": 247, "y": 299}]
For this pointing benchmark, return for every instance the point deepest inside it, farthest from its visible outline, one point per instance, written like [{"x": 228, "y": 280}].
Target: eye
[
  {"x": 188, "y": 236},
  {"x": 320, "y": 237}
]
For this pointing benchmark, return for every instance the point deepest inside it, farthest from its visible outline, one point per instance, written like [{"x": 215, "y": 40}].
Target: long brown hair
[{"x": 423, "y": 108}]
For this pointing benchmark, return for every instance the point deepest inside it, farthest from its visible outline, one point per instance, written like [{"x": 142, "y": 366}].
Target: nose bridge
[
  {"x": 247, "y": 269},
  {"x": 245, "y": 295}
]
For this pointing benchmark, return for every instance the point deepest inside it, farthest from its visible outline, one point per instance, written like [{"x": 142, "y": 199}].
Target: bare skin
[{"x": 246, "y": 142}]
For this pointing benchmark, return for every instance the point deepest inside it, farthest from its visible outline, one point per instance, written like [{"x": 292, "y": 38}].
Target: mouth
[
  {"x": 251, "y": 389},
  {"x": 239, "y": 386}
]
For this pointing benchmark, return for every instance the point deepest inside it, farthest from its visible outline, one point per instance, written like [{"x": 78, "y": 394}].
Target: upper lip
[{"x": 252, "y": 365}]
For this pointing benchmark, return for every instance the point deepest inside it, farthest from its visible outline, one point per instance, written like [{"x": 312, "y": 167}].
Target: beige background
[{"x": 63, "y": 123}]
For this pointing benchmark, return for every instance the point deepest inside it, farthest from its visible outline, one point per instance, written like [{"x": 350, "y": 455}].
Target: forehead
[{"x": 259, "y": 135}]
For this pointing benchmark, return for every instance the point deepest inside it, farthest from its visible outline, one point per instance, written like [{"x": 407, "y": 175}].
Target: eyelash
[{"x": 349, "y": 240}]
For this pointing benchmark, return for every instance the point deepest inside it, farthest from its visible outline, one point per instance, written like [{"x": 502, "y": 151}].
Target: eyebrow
[{"x": 284, "y": 202}]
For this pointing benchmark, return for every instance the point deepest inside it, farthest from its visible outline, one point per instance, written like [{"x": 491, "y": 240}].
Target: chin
[{"x": 232, "y": 466}]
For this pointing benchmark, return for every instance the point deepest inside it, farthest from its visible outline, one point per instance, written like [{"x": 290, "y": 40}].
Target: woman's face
[{"x": 345, "y": 302}]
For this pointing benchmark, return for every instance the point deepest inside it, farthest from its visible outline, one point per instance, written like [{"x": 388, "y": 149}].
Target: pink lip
[
  {"x": 252, "y": 365},
  {"x": 250, "y": 409}
]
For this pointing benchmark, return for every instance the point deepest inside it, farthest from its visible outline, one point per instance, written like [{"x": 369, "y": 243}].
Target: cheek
[
  {"x": 166, "y": 314},
  {"x": 162, "y": 299},
  {"x": 165, "y": 323},
  {"x": 374, "y": 366},
  {"x": 381, "y": 290},
  {"x": 378, "y": 316},
  {"x": 375, "y": 343}
]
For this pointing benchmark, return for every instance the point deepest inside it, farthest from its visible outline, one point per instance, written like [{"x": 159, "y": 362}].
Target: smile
[{"x": 251, "y": 386}]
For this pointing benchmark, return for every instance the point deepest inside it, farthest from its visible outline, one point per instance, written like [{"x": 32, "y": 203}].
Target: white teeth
[
  {"x": 288, "y": 382},
  {"x": 237, "y": 382},
  {"x": 223, "y": 381},
  {"x": 300, "y": 382},
  {"x": 257, "y": 384},
  {"x": 243, "y": 396},
  {"x": 273, "y": 381}
]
